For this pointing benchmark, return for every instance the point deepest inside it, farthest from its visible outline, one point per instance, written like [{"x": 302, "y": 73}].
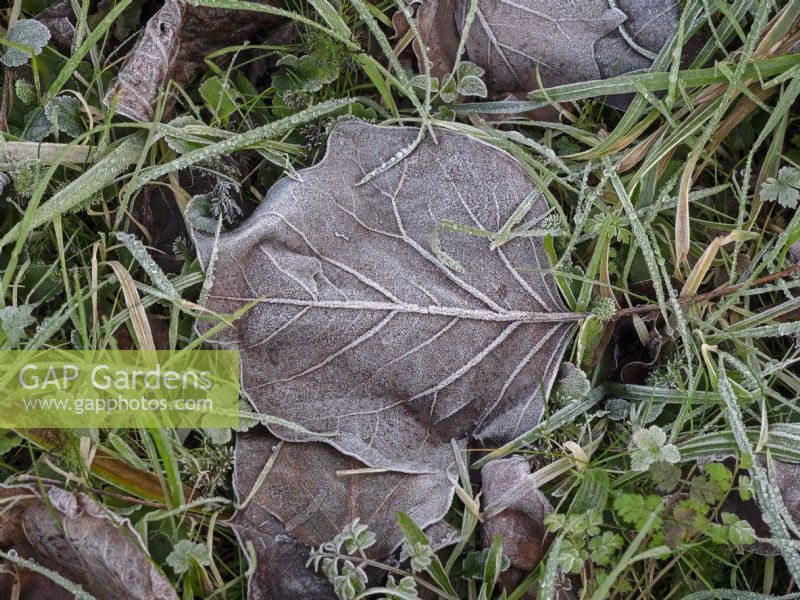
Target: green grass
[{"x": 642, "y": 197}]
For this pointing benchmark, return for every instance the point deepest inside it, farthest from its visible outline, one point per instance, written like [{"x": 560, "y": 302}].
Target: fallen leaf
[
  {"x": 517, "y": 510},
  {"x": 567, "y": 42},
  {"x": 68, "y": 533},
  {"x": 359, "y": 330},
  {"x": 315, "y": 491},
  {"x": 59, "y": 18},
  {"x": 280, "y": 569},
  {"x": 173, "y": 46}
]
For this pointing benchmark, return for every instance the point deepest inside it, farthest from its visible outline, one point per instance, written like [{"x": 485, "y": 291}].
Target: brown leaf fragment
[
  {"x": 437, "y": 26},
  {"x": 785, "y": 477},
  {"x": 280, "y": 571},
  {"x": 59, "y": 18},
  {"x": 172, "y": 47},
  {"x": 315, "y": 491},
  {"x": 359, "y": 330},
  {"x": 566, "y": 41},
  {"x": 508, "y": 487},
  {"x": 69, "y": 533}
]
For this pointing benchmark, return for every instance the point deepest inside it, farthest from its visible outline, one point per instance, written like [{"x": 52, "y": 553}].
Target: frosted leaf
[
  {"x": 13, "y": 322},
  {"x": 38, "y": 126},
  {"x": 567, "y": 41},
  {"x": 316, "y": 492},
  {"x": 649, "y": 446},
  {"x": 25, "y": 91},
  {"x": 359, "y": 330},
  {"x": 307, "y": 73},
  {"x": 519, "y": 522},
  {"x": 310, "y": 494},
  {"x": 28, "y": 32},
  {"x": 472, "y": 86},
  {"x": 783, "y": 189},
  {"x": 64, "y": 112},
  {"x": 173, "y": 46},
  {"x": 185, "y": 553}
]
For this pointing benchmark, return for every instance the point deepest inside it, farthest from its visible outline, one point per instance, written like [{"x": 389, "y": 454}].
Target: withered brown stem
[{"x": 717, "y": 293}]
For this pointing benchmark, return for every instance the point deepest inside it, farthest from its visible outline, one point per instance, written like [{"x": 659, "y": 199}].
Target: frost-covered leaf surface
[
  {"x": 567, "y": 41},
  {"x": 316, "y": 491},
  {"x": 27, "y": 32},
  {"x": 68, "y": 533},
  {"x": 358, "y": 330},
  {"x": 65, "y": 112}
]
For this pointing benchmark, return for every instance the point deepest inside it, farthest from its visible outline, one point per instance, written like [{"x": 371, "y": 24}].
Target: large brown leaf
[
  {"x": 68, "y": 533},
  {"x": 173, "y": 46},
  {"x": 568, "y": 41},
  {"x": 359, "y": 330},
  {"x": 315, "y": 491}
]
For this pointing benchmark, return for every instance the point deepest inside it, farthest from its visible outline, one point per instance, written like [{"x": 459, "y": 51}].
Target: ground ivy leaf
[
  {"x": 65, "y": 112},
  {"x": 68, "y": 533},
  {"x": 13, "y": 322},
  {"x": 784, "y": 189},
  {"x": 360, "y": 331},
  {"x": 184, "y": 553},
  {"x": 28, "y": 32}
]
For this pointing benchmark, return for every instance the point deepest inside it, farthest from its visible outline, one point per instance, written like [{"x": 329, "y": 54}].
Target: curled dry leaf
[
  {"x": 633, "y": 359},
  {"x": 315, "y": 491},
  {"x": 68, "y": 533},
  {"x": 172, "y": 47},
  {"x": 357, "y": 328},
  {"x": 515, "y": 510},
  {"x": 566, "y": 41},
  {"x": 59, "y": 18}
]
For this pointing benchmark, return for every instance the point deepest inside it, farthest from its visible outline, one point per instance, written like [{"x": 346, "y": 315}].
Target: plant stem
[{"x": 713, "y": 294}]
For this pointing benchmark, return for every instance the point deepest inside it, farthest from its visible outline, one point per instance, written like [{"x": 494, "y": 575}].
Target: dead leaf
[
  {"x": 280, "y": 570},
  {"x": 70, "y": 534},
  {"x": 59, "y": 18},
  {"x": 508, "y": 487},
  {"x": 359, "y": 330},
  {"x": 173, "y": 46},
  {"x": 567, "y": 42},
  {"x": 315, "y": 491}
]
